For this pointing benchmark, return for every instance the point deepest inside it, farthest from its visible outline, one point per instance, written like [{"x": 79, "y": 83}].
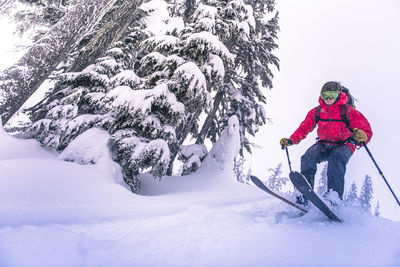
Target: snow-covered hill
[{"x": 58, "y": 213}]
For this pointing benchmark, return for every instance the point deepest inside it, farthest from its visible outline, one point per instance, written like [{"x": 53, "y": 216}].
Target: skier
[{"x": 338, "y": 123}]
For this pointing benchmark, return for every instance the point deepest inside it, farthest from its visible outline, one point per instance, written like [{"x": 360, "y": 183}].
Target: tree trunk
[
  {"x": 183, "y": 131},
  {"x": 122, "y": 17},
  {"x": 190, "y": 8},
  {"x": 7, "y": 4},
  {"x": 207, "y": 123},
  {"x": 20, "y": 81}
]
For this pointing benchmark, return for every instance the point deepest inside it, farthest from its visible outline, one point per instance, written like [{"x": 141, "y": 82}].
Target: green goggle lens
[{"x": 329, "y": 94}]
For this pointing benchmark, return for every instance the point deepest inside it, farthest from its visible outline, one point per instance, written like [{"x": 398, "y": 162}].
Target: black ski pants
[{"x": 337, "y": 156}]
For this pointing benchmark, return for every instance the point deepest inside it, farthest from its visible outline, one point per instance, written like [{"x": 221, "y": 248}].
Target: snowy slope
[{"x": 57, "y": 213}]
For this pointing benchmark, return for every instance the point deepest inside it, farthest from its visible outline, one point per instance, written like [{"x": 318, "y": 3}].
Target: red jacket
[{"x": 334, "y": 131}]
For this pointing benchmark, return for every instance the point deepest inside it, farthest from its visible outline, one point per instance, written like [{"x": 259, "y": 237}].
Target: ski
[
  {"x": 300, "y": 182},
  {"x": 263, "y": 187}
]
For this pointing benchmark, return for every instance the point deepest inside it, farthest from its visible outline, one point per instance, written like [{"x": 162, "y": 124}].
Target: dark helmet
[{"x": 331, "y": 86}]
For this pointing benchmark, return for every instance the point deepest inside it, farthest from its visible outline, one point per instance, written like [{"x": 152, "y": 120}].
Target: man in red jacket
[{"x": 338, "y": 123}]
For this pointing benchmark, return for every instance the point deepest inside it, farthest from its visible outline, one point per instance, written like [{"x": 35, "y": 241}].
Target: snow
[
  {"x": 211, "y": 42},
  {"x": 159, "y": 21},
  {"x": 223, "y": 152},
  {"x": 58, "y": 213},
  {"x": 197, "y": 87},
  {"x": 8, "y": 52},
  {"x": 142, "y": 100},
  {"x": 65, "y": 111},
  {"x": 250, "y": 17},
  {"x": 215, "y": 64},
  {"x": 88, "y": 147},
  {"x": 194, "y": 149},
  {"x": 205, "y": 15},
  {"x": 126, "y": 76}
]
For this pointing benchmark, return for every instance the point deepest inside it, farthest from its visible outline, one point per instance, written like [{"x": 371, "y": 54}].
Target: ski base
[
  {"x": 263, "y": 187},
  {"x": 301, "y": 184}
]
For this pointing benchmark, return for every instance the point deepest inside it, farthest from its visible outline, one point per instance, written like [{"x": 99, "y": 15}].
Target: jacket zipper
[{"x": 330, "y": 122}]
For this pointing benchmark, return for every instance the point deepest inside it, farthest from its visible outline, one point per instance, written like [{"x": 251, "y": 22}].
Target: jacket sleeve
[
  {"x": 305, "y": 127},
  {"x": 357, "y": 120}
]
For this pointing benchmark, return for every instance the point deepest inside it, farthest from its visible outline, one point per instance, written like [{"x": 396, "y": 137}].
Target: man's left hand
[{"x": 360, "y": 136}]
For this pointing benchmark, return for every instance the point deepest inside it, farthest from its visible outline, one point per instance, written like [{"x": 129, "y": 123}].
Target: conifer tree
[
  {"x": 242, "y": 27},
  {"x": 323, "y": 181},
  {"x": 238, "y": 170},
  {"x": 366, "y": 194},
  {"x": 149, "y": 116},
  {"x": 102, "y": 96},
  {"x": 275, "y": 180},
  {"x": 377, "y": 212},
  {"x": 351, "y": 198},
  {"x": 149, "y": 90}
]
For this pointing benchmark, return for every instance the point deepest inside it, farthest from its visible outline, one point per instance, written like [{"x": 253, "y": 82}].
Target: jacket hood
[{"x": 342, "y": 100}]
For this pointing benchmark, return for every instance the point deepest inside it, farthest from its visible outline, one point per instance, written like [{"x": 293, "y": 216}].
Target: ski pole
[
  {"x": 381, "y": 173},
  {"x": 287, "y": 154}
]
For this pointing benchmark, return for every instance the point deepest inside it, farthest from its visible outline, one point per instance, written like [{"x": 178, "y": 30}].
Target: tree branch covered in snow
[{"x": 20, "y": 81}]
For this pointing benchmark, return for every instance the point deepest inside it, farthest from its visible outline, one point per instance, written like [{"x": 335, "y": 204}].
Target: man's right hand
[{"x": 285, "y": 142}]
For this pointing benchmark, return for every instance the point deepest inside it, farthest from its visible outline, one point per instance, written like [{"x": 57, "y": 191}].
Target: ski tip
[{"x": 252, "y": 177}]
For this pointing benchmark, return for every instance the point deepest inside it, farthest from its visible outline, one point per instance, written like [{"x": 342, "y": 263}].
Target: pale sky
[
  {"x": 8, "y": 51},
  {"x": 357, "y": 43}
]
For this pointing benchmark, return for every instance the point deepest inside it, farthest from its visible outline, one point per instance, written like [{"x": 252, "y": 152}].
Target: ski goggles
[{"x": 329, "y": 94}]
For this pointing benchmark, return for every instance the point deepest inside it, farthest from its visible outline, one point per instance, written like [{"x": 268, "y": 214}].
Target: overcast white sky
[{"x": 357, "y": 43}]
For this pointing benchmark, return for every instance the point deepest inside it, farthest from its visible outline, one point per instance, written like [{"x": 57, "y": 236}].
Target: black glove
[{"x": 285, "y": 142}]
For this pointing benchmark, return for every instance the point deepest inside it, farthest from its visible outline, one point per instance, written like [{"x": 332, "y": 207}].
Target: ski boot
[{"x": 302, "y": 200}]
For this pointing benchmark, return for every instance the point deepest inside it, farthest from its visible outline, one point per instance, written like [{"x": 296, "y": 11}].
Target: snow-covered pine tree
[
  {"x": 242, "y": 26},
  {"x": 351, "y": 198},
  {"x": 149, "y": 117},
  {"x": 377, "y": 212},
  {"x": 102, "y": 96},
  {"x": 275, "y": 180},
  {"x": 151, "y": 107},
  {"x": 207, "y": 40},
  {"x": 247, "y": 39},
  {"x": 238, "y": 170},
  {"x": 323, "y": 181},
  {"x": 366, "y": 194}
]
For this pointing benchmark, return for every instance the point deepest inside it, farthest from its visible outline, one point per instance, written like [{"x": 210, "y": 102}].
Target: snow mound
[
  {"x": 87, "y": 148},
  {"x": 12, "y": 147},
  {"x": 50, "y": 190},
  {"x": 227, "y": 147}
]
